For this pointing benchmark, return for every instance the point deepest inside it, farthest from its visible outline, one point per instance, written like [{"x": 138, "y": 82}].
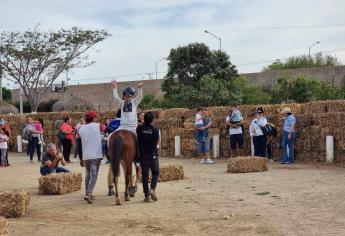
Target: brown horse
[{"x": 123, "y": 149}]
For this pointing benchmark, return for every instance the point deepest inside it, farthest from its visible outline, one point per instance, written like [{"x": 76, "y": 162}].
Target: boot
[{"x": 111, "y": 191}]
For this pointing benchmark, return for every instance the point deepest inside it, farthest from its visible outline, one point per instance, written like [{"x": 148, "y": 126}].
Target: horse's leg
[
  {"x": 125, "y": 173},
  {"x": 116, "y": 183}
]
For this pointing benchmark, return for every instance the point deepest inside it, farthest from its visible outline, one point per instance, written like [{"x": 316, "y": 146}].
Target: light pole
[
  {"x": 220, "y": 40},
  {"x": 311, "y": 47},
  {"x": 156, "y": 64}
]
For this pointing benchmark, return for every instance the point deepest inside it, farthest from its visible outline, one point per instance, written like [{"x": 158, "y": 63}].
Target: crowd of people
[
  {"x": 262, "y": 134},
  {"x": 90, "y": 138}
]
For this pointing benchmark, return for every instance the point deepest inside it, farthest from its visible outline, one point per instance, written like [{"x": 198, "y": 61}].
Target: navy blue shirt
[{"x": 148, "y": 137}]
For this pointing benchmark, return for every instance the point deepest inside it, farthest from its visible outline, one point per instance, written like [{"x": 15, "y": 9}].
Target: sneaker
[
  {"x": 88, "y": 199},
  {"x": 270, "y": 161},
  {"x": 111, "y": 191},
  {"x": 209, "y": 161},
  {"x": 103, "y": 162},
  {"x": 74, "y": 160},
  {"x": 146, "y": 199},
  {"x": 107, "y": 162},
  {"x": 203, "y": 161},
  {"x": 153, "y": 195}
]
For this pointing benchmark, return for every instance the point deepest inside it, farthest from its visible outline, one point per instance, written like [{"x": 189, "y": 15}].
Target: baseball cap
[{"x": 90, "y": 114}]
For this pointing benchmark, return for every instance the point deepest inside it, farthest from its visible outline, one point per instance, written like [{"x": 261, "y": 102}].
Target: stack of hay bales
[
  {"x": 247, "y": 164},
  {"x": 4, "y": 229},
  {"x": 14, "y": 203},
  {"x": 60, "y": 183},
  {"x": 171, "y": 172}
]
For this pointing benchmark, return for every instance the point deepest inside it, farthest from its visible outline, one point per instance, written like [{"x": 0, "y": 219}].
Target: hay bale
[
  {"x": 4, "y": 229},
  {"x": 247, "y": 164},
  {"x": 14, "y": 203},
  {"x": 171, "y": 172},
  {"x": 60, "y": 183}
]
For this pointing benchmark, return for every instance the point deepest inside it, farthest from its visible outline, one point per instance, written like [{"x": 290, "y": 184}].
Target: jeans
[
  {"x": 32, "y": 145},
  {"x": 66, "y": 146},
  {"x": 260, "y": 145},
  {"x": 146, "y": 165},
  {"x": 288, "y": 144},
  {"x": 47, "y": 170},
  {"x": 91, "y": 167},
  {"x": 3, "y": 154}
]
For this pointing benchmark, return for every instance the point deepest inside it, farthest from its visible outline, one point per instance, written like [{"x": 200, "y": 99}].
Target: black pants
[
  {"x": 66, "y": 145},
  {"x": 34, "y": 144},
  {"x": 146, "y": 165},
  {"x": 269, "y": 150},
  {"x": 79, "y": 148},
  {"x": 260, "y": 145}
]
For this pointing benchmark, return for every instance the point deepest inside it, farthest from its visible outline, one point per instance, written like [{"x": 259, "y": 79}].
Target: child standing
[{"x": 3, "y": 147}]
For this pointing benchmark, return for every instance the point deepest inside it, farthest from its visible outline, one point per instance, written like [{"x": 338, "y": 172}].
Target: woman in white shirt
[{"x": 259, "y": 139}]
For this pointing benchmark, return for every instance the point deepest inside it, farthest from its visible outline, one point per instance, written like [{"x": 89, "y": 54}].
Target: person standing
[
  {"x": 259, "y": 139},
  {"x": 67, "y": 142},
  {"x": 34, "y": 141},
  {"x": 91, "y": 140},
  {"x": 78, "y": 151},
  {"x": 204, "y": 139},
  {"x": 289, "y": 136},
  {"x": 4, "y": 137},
  {"x": 235, "y": 123},
  {"x": 148, "y": 138}
]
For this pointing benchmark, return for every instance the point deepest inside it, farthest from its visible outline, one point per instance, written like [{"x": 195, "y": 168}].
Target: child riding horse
[{"x": 123, "y": 142}]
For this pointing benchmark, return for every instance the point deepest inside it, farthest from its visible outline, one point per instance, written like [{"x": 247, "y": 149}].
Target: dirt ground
[{"x": 285, "y": 200}]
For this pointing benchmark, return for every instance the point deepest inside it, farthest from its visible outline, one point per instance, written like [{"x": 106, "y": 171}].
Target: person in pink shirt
[{"x": 38, "y": 124}]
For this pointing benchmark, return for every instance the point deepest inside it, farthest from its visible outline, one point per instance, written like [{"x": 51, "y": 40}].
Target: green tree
[
  {"x": 249, "y": 93},
  {"x": 187, "y": 66},
  {"x": 304, "y": 90},
  {"x": 34, "y": 59},
  {"x": 150, "y": 101},
  {"x": 303, "y": 61},
  {"x": 6, "y": 94}
]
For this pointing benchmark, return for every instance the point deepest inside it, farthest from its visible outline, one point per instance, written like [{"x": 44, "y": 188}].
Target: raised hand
[
  {"x": 140, "y": 85},
  {"x": 114, "y": 83}
]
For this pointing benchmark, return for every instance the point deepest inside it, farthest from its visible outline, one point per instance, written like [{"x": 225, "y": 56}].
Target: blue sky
[{"x": 252, "y": 32}]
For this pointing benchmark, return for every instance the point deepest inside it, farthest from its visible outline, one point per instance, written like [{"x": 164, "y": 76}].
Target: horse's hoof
[
  {"x": 118, "y": 202},
  {"x": 127, "y": 199}
]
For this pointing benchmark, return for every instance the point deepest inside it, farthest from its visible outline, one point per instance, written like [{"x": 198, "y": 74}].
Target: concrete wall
[{"x": 101, "y": 94}]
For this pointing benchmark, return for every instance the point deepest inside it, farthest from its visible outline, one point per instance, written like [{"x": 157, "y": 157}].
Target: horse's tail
[{"x": 116, "y": 156}]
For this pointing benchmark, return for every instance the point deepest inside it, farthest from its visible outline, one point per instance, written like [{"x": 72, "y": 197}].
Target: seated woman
[{"x": 50, "y": 161}]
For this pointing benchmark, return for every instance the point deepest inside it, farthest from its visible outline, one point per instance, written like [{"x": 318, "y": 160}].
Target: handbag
[{"x": 61, "y": 135}]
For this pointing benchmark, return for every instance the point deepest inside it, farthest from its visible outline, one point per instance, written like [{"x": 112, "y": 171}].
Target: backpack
[
  {"x": 269, "y": 129},
  {"x": 27, "y": 135}
]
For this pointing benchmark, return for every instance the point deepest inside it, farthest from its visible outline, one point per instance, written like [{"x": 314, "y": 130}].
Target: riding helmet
[{"x": 130, "y": 91}]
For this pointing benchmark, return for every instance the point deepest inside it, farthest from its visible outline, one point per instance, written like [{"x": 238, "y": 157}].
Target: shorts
[
  {"x": 203, "y": 144},
  {"x": 236, "y": 138}
]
